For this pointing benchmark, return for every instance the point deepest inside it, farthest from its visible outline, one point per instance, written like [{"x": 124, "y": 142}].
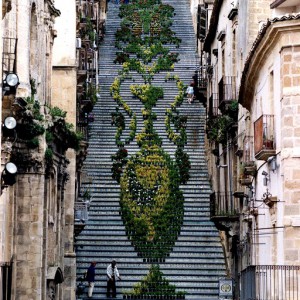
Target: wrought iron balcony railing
[
  {"x": 80, "y": 216},
  {"x": 264, "y": 142},
  {"x": 248, "y": 149},
  {"x": 270, "y": 282},
  {"x": 213, "y": 110},
  {"x": 223, "y": 206},
  {"x": 248, "y": 162},
  {"x": 81, "y": 211},
  {"x": 227, "y": 91}
]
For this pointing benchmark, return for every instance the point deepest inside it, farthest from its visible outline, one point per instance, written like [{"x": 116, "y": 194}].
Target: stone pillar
[{"x": 29, "y": 236}]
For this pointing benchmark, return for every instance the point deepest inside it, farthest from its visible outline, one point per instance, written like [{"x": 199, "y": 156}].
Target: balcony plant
[
  {"x": 268, "y": 144},
  {"x": 217, "y": 129}
]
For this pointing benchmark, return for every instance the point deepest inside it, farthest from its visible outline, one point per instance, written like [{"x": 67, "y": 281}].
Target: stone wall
[
  {"x": 258, "y": 12},
  {"x": 290, "y": 108}
]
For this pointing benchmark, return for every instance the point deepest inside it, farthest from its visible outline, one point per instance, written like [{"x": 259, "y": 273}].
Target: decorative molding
[
  {"x": 232, "y": 13},
  {"x": 221, "y": 35},
  {"x": 53, "y": 11},
  {"x": 270, "y": 26}
]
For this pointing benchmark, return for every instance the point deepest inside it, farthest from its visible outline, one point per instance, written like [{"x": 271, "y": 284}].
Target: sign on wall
[{"x": 225, "y": 288}]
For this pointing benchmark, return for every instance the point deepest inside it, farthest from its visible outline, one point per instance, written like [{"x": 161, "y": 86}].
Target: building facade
[
  {"x": 44, "y": 141},
  {"x": 249, "y": 52}
]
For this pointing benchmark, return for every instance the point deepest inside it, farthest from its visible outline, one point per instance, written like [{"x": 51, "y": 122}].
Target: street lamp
[
  {"x": 11, "y": 79},
  {"x": 10, "y": 82},
  {"x": 10, "y": 123},
  {"x": 9, "y": 175}
]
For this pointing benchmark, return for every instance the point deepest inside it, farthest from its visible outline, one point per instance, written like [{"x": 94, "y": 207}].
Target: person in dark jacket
[{"x": 90, "y": 277}]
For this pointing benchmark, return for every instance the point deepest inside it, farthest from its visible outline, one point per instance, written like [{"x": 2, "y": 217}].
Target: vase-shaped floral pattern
[{"x": 151, "y": 201}]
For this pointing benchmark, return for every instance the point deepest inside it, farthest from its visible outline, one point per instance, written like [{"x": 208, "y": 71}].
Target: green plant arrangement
[
  {"x": 31, "y": 122},
  {"x": 92, "y": 93},
  {"x": 86, "y": 194},
  {"x": 151, "y": 201},
  {"x": 154, "y": 286},
  {"x": 218, "y": 129},
  {"x": 88, "y": 31}
]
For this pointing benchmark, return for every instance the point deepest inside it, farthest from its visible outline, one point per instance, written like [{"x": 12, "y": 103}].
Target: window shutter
[{"x": 201, "y": 23}]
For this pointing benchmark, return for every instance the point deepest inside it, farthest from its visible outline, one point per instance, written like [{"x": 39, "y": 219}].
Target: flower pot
[{"x": 268, "y": 144}]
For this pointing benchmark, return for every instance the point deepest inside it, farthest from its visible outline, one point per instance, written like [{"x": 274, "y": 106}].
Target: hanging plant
[{"x": 217, "y": 129}]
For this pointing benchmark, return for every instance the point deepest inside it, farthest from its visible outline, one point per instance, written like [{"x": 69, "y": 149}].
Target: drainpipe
[{"x": 229, "y": 163}]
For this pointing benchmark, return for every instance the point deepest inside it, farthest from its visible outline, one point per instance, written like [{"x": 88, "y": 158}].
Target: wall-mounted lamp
[
  {"x": 9, "y": 126},
  {"x": 8, "y": 176},
  {"x": 265, "y": 179},
  {"x": 10, "y": 83},
  {"x": 250, "y": 192},
  {"x": 10, "y": 123},
  {"x": 272, "y": 163},
  {"x": 11, "y": 80},
  {"x": 267, "y": 199}
]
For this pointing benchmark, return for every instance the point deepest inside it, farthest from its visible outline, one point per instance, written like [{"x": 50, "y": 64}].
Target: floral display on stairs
[
  {"x": 151, "y": 201},
  {"x": 149, "y": 288}
]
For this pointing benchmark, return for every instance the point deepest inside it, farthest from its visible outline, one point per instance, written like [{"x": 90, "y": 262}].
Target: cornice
[{"x": 53, "y": 11}]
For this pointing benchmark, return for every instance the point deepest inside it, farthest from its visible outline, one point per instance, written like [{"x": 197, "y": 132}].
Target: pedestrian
[
  {"x": 90, "y": 277},
  {"x": 190, "y": 92},
  {"x": 112, "y": 273}
]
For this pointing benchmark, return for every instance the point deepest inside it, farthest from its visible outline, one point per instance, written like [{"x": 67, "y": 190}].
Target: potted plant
[{"x": 268, "y": 144}]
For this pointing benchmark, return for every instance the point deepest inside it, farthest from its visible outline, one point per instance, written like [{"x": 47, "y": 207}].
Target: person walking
[
  {"x": 190, "y": 92},
  {"x": 112, "y": 273},
  {"x": 90, "y": 277}
]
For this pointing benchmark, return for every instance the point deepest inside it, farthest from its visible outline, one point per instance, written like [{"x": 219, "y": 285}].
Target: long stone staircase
[{"x": 197, "y": 262}]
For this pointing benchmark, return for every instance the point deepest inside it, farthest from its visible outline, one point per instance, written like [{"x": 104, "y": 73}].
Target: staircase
[{"x": 197, "y": 261}]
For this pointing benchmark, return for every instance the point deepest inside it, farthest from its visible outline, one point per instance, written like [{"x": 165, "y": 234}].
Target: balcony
[
  {"x": 270, "y": 282},
  {"x": 245, "y": 180},
  {"x": 248, "y": 164},
  {"x": 248, "y": 149},
  {"x": 227, "y": 92},
  {"x": 224, "y": 208},
  {"x": 264, "y": 143},
  {"x": 80, "y": 216},
  {"x": 213, "y": 110},
  {"x": 102, "y": 29}
]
